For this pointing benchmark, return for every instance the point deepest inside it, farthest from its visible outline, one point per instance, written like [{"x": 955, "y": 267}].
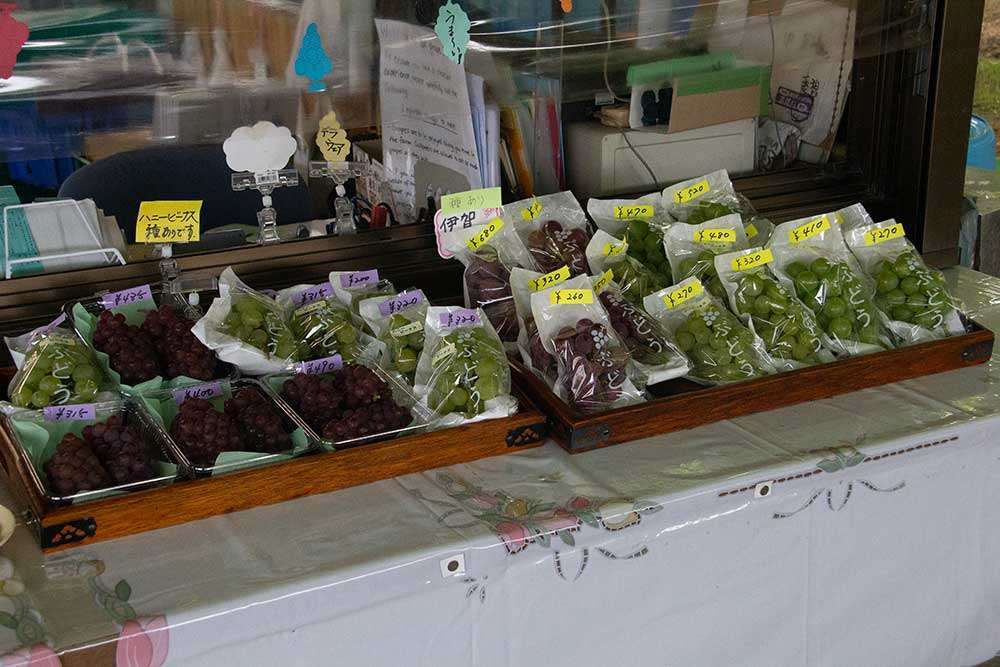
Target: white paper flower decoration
[{"x": 263, "y": 147}]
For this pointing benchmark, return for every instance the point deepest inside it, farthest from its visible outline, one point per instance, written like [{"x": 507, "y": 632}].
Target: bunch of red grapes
[
  {"x": 487, "y": 282},
  {"x": 592, "y": 367},
  {"x": 553, "y": 247},
  {"x": 110, "y": 454}
]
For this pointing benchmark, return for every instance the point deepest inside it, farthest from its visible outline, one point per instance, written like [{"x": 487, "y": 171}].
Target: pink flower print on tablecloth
[
  {"x": 513, "y": 535},
  {"x": 38, "y": 655},
  {"x": 143, "y": 642}
]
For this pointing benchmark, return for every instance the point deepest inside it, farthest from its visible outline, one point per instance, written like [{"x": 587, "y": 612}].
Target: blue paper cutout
[
  {"x": 312, "y": 61},
  {"x": 452, "y": 29}
]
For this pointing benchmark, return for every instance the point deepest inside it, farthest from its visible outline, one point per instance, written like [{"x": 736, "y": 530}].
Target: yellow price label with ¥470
[
  {"x": 533, "y": 211},
  {"x": 753, "y": 260},
  {"x": 878, "y": 235},
  {"x": 809, "y": 230},
  {"x": 686, "y": 291},
  {"x": 489, "y": 230},
  {"x": 634, "y": 212},
  {"x": 174, "y": 221},
  {"x": 692, "y": 192},
  {"x": 562, "y": 297},
  {"x": 549, "y": 279}
]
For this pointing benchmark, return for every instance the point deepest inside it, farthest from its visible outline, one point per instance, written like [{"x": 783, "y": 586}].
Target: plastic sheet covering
[{"x": 874, "y": 543}]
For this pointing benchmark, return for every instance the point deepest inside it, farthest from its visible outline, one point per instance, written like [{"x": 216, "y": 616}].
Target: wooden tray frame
[
  {"x": 60, "y": 527},
  {"x": 682, "y": 404}
]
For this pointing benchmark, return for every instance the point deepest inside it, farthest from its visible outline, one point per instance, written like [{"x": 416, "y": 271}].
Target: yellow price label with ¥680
[
  {"x": 692, "y": 192},
  {"x": 549, "y": 279},
  {"x": 603, "y": 281},
  {"x": 752, "y": 260},
  {"x": 878, "y": 235},
  {"x": 634, "y": 212},
  {"x": 615, "y": 249},
  {"x": 720, "y": 236},
  {"x": 687, "y": 290},
  {"x": 175, "y": 221},
  {"x": 533, "y": 211},
  {"x": 562, "y": 297},
  {"x": 809, "y": 230},
  {"x": 489, "y": 230}
]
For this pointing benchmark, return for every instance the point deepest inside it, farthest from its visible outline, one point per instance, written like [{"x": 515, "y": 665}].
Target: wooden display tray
[
  {"x": 59, "y": 527},
  {"x": 682, "y": 404}
]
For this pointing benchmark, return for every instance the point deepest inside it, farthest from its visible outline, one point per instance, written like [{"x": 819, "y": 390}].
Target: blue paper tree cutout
[{"x": 312, "y": 61}]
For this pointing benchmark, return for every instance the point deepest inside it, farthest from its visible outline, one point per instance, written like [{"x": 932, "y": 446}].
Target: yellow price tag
[
  {"x": 635, "y": 212},
  {"x": 692, "y": 192},
  {"x": 488, "y": 231},
  {"x": 882, "y": 234},
  {"x": 533, "y": 211},
  {"x": 685, "y": 292},
  {"x": 603, "y": 281},
  {"x": 561, "y": 297},
  {"x": 549, "y": 279},
  {"x": 751, "y": 231},
  {"x": 615, "y": 249},
  {"x": 809, "y": 230},
  {"x": 721, "y": 236},
  {"x": 753, "y": 260},
  {"x": 168, "y": 221},
  {"x": 332, "y": 139}
]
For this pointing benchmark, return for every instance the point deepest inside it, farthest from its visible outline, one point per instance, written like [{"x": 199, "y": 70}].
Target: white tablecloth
[{"x": 877, "y": 544}]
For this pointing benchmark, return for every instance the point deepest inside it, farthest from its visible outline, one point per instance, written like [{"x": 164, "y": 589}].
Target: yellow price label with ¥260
[
  {"x": 810, "y": 229},
  {"x": 720, "y": 236},
  {"x": 175, "y": 221},
  {"x": 692, "y": 192},
  {"x": 533, "y": 211},
  {"x": 634, "y": 212},
  {"x": 549, "y": 279},
  {"x": 489, "y": 230},
  {"x": 562, "y": 297},
  {"x": 752, "y": 260},
  {"x": 687, "y": 290},
  {"x": 878, "y": 235}
]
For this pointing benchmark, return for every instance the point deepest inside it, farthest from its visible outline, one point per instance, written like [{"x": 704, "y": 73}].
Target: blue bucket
[{"x": 982, "y": 145}]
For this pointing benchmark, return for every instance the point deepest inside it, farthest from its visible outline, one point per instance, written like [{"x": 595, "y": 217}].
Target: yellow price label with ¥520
[
  {"x": 549, "y": 279},
  {"x": 533, "y": 211},
  {"x": 753, "y": 260},
  {"x": 878, "y": 235},
  {"x": 688, "y": 290},
  {"x": 634, "y": 212},
  {"x": 488, "y": 231},
  {"x": 174, "y": 221},
  {"x": 809, "y": 230},
  {"x": 692, "y": 192},
  {"x": 563, "y": 297}
]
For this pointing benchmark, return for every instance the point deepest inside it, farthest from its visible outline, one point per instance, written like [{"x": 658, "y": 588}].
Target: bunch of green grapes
[
  {"x": 326, "y": 328},
  {"x": 636, "y": 281},
  {"x": 405, "y": 341},
  {"x": 838, "y": 297},
  {"x": 254, "y": 323},
  {"x": 786, "y": 327},
  {"x": 910, "y": 292},
  {"x": 57, "y": 369},
  {"x": 718, "y": 345},
  {"x": 706, "y": 211},
  {"x": 469, "y": 369},
  {"x": 645, "y": 244},
  {"x": 702, "y": 267}
]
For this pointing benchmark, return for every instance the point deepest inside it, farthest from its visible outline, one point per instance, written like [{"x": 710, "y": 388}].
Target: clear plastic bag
[
  {"x": 787, "y": 327},
  {"x": 323, "y": 324},
  {"x": 463, "y": 374},
  {"x": 635, "y": 280},
  {"x": 554, "y": 230},
  {"x": 58, "y": 368},
  {"x": 352, "y": 287},
  {"x": 488, "y": 252},
  {"x": 851, "y": 217},
  {"x": 721, "y": 349},
  {"x": 655, "y": 357},
  {"x": 913, "y": 296},
  {"x": 692, "y": 249},
  {"x": 594, "y": 367},
  {"x": 712, "y": 196},
  {"x": 398, "y": 323},
  {"x": 641, "y": 222},
  {"x": 812, "y": 259},
  {"x": 248, "y": 329},
  {"x": 524, "y": 283}
]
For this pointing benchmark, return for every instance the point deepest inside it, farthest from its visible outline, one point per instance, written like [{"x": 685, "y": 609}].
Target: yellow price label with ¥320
[
  {"x": 685, "y": 292},
  {"x": 753, "y": 260},
  {"x": 692, "y": 192},
  {"x": 878, "y": 235},
  {"x": 532, "y": 211},
  {"x": 720, "y": 236},
  {"x": 174, "y": 221},
  {"x": 483, "y": 237},
  {"x": 563, "y": 297},
  {"x": 603, "y": 281},
  {"x": 634, "y": 212},
  {"x": 549, "y": 279},
  {"x": 809, "y": 230}
]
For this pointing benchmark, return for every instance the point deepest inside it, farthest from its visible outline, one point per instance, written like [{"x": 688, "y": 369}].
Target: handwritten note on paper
[{"x": 425, "y": 112}]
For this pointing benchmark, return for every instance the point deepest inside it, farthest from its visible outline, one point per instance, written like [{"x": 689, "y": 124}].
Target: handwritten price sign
[
  {"x": 463, "y": 317},
  {"x": 320, "y": 366},
  {"x": 615, "y": 249},
  {"x": 82, "y": 412},
  {"x": 634, "y": 212},
  {"x": 688, "y": 194},
  {"x": 562, "y": 297},
  {"x": 549, "y": 279},
  {"x": 753, "y": 260},
  {"x": 356, "y": 279},
  {"x": 532, "y": 211},
  {"x": 882, "y": 234},
  {"x": 332, "y": 139},
  {"x": 719, "y": 236},
  {"x": 168, "y": 222},
  {"x": 687, "y": 290},
  {"x": 488, "y": 231},
  {"x": 471, "y": 200},
  {"x": 126, "y": 297},
  {"x": 809, "y": 230},
  {"x": 400, "y": 302},
  {"x": 203, "y": 391},
  {"x": 312, "y": 294}
]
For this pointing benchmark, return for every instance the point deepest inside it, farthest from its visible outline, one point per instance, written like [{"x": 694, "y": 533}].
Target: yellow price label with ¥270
[
  {"x": 752, "y": 260},
  {"x": 692, "y": 192},
  {"x": 809, "y": 230},
  {"x": 603, "y": 281},
  {"x": 685, "y": 292},
  {"x": 562, "y": 297},
  {"x": 615, "y": 249},
  {"x": 878, "y": 235},
  {"x": 489, "y": 230},
  {"x": 634, "y": 212},
  {"x": 549, "y": 279},
  {"x": 533, "y": 211},
  {"x": 175, "y": 221},
  {"x": 720, "y": 236}
]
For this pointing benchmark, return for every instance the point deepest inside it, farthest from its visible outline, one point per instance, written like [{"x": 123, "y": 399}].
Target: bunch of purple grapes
[
  {"x": 259, "y": 421},
  {"x": 552, "y": 247},
  {"x": 640, "y": 333},
  {"x": 592, "y": 368},
  {"x": 74, "y": 468},
  {"x": 202, "y": 432},
  {"x": 487, "y": 281},
  {"x": 181, "y": 352},
  {"x": 130, "y": 350},
  {"x": 350, "y": 403},
  {"x": 541, "y": 360},
  {"x": 110, "y": 453}
]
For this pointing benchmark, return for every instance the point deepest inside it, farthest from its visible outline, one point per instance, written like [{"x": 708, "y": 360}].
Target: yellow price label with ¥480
[
  {"x": 752, "y": 260},
  {"x": 686, "y": 291},
  {"x": 810, "y": 229},
  {"x": 175, "y": 221},
  {"x": 878, "y": 235},
  {"x": 489, "y": 230},
  {"x": 549, "y": 279},
  {"x": 562, "y": 297},
  {"x": 692, "y": 192},
  {"x": 720, "y": 236}
]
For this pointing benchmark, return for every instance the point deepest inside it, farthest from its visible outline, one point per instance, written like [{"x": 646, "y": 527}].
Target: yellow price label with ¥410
[
  {"x": 483, "y": 237},
  {"x": 175, "y": 221},
  {"x": 562, "y": 297},
  {"x": 809, "y": 230},
  {"x": 634, "y": 212},
  {"x": 549, "y": 279},
  {"x": 692, "y": 192},
  {"x": 882, "y": 234},
  {"x": 685, "y": 292},
  {"x": 533, "y": 211},
  {"x": 753, "y": 260}
]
